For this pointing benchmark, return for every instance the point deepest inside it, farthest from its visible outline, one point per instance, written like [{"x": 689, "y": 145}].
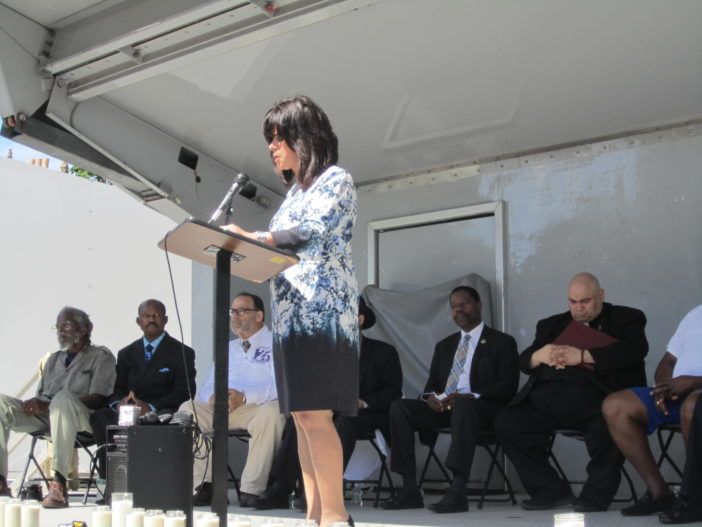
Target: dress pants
[
  {"x": 524, "y": 431},
  {"x": 692, "y": 473},
  {"x": 67, "y": 416},
  {"x": 265, "y": 424},
  {"x": 466, "y": 419}
]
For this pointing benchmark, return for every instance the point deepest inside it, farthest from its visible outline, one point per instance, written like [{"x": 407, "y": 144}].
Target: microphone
[{"x": 239, "y": 183}]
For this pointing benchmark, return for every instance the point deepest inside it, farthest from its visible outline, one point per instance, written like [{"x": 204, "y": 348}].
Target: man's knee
[
  {"x": 687, "y": 409},
  {"x": 622, "y": 405},
  {"x": 63, "y": 400}
]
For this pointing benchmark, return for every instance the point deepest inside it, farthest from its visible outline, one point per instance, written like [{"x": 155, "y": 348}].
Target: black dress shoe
[
  {"x": 404, "y": 500},
  {"x": 581, "y": 505},
  {"x": 275, "y": 497},
  {"x": 452, "y": 501},
  {"x": 647, "y": 504},
  {"x": 682, "y": 512},
  {"x": 247, "y": 500},
  {"x": 203, "y": 495},
  {"x": 536, "y": 504},
  {"x": 350, "y": 522}
]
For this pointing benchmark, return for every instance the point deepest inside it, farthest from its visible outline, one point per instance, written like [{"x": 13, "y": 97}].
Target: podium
[{"x": 230, "y": 254}]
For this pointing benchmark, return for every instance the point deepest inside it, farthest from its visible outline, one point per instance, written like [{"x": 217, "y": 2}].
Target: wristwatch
[{"x": 261, "y": 236}]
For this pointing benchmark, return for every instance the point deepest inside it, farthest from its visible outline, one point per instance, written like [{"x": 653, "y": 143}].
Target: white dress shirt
[
  {"x": 464, "y": 379},
  {"x": 250, "y": 372}
]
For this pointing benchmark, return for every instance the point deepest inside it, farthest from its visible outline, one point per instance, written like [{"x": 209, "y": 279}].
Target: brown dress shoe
[{"x": 57, "y": 498}]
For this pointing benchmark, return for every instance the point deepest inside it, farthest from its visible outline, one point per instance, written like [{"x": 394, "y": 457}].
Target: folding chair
[
  {"x": 579, "y": 436},
  {"x": 243, "y": 436},
  {"x": 486, "y": 440},
  {"x": 383, "y": 473},
  {"x": 665, "y": 435},
  {"x": 83, "y": 441}
]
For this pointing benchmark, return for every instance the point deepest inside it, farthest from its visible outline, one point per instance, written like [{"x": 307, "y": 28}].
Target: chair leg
[
  {"x": 664, "y": 446},
  {"x": 486, "y": 482},
  {"x": 553, "y": 459},
  {"x": 384, "y": 472},
  {"x": 31, "y": 458},
  {"x": 236, "y": 482}
]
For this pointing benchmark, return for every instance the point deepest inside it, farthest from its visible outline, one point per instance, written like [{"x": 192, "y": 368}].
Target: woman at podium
[{"x": 314, "y": 303}]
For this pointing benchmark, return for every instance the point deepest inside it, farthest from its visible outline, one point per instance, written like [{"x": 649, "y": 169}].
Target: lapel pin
[{"x": 483, "y": 341}]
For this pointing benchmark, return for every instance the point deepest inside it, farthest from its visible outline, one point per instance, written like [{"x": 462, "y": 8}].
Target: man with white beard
[{"x": 73, "y": 381}]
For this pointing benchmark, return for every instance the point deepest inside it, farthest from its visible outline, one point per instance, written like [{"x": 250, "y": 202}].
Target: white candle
[
  {"x": 154, "y": 518},
  {"x": 238, "y": 521},
  {"x": 569, "y": 519},
  {"x": 121, "y": 505},
  {"x": 13, "y": 513},
  {"x": 3, "y": 501},
  {"x": 102, "y": 517},
  {"x": 30, "y": 513},
  {"x": 175, "y": 519},
  {"x": 208, "y": 520},
  {"x": 135, "y": 517}
]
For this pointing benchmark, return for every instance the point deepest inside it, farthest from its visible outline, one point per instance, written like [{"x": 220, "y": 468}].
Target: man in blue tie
[
  {"x": 156, "y": 373},
  {"x": 473, "y": 374}
]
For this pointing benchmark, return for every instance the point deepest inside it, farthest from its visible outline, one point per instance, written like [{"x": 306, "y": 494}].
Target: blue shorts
[{"x": 655, "y": 417}]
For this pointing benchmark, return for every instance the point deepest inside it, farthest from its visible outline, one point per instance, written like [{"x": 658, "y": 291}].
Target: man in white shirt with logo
[
  {"x": 633, "y": 413},
  {"x": 253, "y": 402}
]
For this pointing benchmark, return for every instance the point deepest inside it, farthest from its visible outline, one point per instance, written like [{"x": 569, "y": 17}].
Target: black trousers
[
  {"x": 286, "y": 465},
  {"x": 692, "y": 473},
  {"x": 467, "y": 417},
  {"x": 99, "y": 421},
  {"x": 524, "y": 431}
]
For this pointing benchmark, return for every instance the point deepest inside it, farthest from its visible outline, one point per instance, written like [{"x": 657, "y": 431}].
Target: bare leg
[
  {"x": 314, "y": 503},
  {"x": 687, "y": 410},
  {"x": 324, "y": 451},
  {"x": 626, "y": 419}
]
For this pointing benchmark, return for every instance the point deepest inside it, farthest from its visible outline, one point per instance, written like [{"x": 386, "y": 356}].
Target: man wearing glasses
[
  {"x": 253, "y": 402},
  {"x": 73, "y": 382}
]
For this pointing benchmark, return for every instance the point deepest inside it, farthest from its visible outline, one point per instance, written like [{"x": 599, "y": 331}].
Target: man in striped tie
[{"x": 473, "y": 374}]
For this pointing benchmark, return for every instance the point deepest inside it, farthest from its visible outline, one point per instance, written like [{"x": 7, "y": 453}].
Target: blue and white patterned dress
[{"x": 315, "y": 303}]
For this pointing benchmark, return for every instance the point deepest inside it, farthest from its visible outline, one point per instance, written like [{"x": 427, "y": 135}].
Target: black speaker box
[{"x": 159, "y": 467}]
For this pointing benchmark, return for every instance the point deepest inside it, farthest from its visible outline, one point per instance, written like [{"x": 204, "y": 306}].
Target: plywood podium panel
[{"x": 251, "y": 260}]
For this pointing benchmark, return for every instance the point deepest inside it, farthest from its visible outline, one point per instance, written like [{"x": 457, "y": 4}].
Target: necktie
[
  {"x": 148, "y": 352},
  {"x": 459, "y": 362},
  {"x": 245, "y": 344}
]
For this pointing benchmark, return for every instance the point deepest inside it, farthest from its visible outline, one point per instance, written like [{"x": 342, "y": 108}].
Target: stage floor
[{"x": 492, "y": 515}]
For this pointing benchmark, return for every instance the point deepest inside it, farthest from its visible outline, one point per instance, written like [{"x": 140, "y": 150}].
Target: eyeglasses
[
  {"x": 63, "y": 325},
  {"x": 240, "y": 311}
]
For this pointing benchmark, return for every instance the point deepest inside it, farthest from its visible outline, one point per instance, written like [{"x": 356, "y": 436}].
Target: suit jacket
[
  {"x": 380, "y": 375},
  {"x": 161, "y": 382},
  {"x": 494, "y": 372},
  {"x": 617, "y": 366}
]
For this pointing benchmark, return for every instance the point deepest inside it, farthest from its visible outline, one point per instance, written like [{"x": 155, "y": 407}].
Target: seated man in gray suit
[{"x": 473, "y": 374}]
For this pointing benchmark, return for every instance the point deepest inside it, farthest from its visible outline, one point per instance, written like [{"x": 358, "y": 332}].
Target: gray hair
[{"x": 80, "y": 317}]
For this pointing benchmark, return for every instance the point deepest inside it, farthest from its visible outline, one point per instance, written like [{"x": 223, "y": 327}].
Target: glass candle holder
[
  {"x": 122, "y": 503},
  {"x": 569, "y": 519},
  {"x": 154, "y": 518},
  {"x": 101, "y": 517},
  {"x": 135, "y": 517},
  {"x": 175, "y": 519},
  {"x": 29, "y": 513}
]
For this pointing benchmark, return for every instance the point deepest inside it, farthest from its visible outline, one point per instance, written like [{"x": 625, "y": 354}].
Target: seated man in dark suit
[
  {"x": 380, "y": 383},
  {"x": 156, "y": 373},
  {"x": 473, "y": 374},
  {"x": 565, "y": 390}
]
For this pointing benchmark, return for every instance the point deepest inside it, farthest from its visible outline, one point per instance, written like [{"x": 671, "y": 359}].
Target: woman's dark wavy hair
[{"x": 308, "y": 132}]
